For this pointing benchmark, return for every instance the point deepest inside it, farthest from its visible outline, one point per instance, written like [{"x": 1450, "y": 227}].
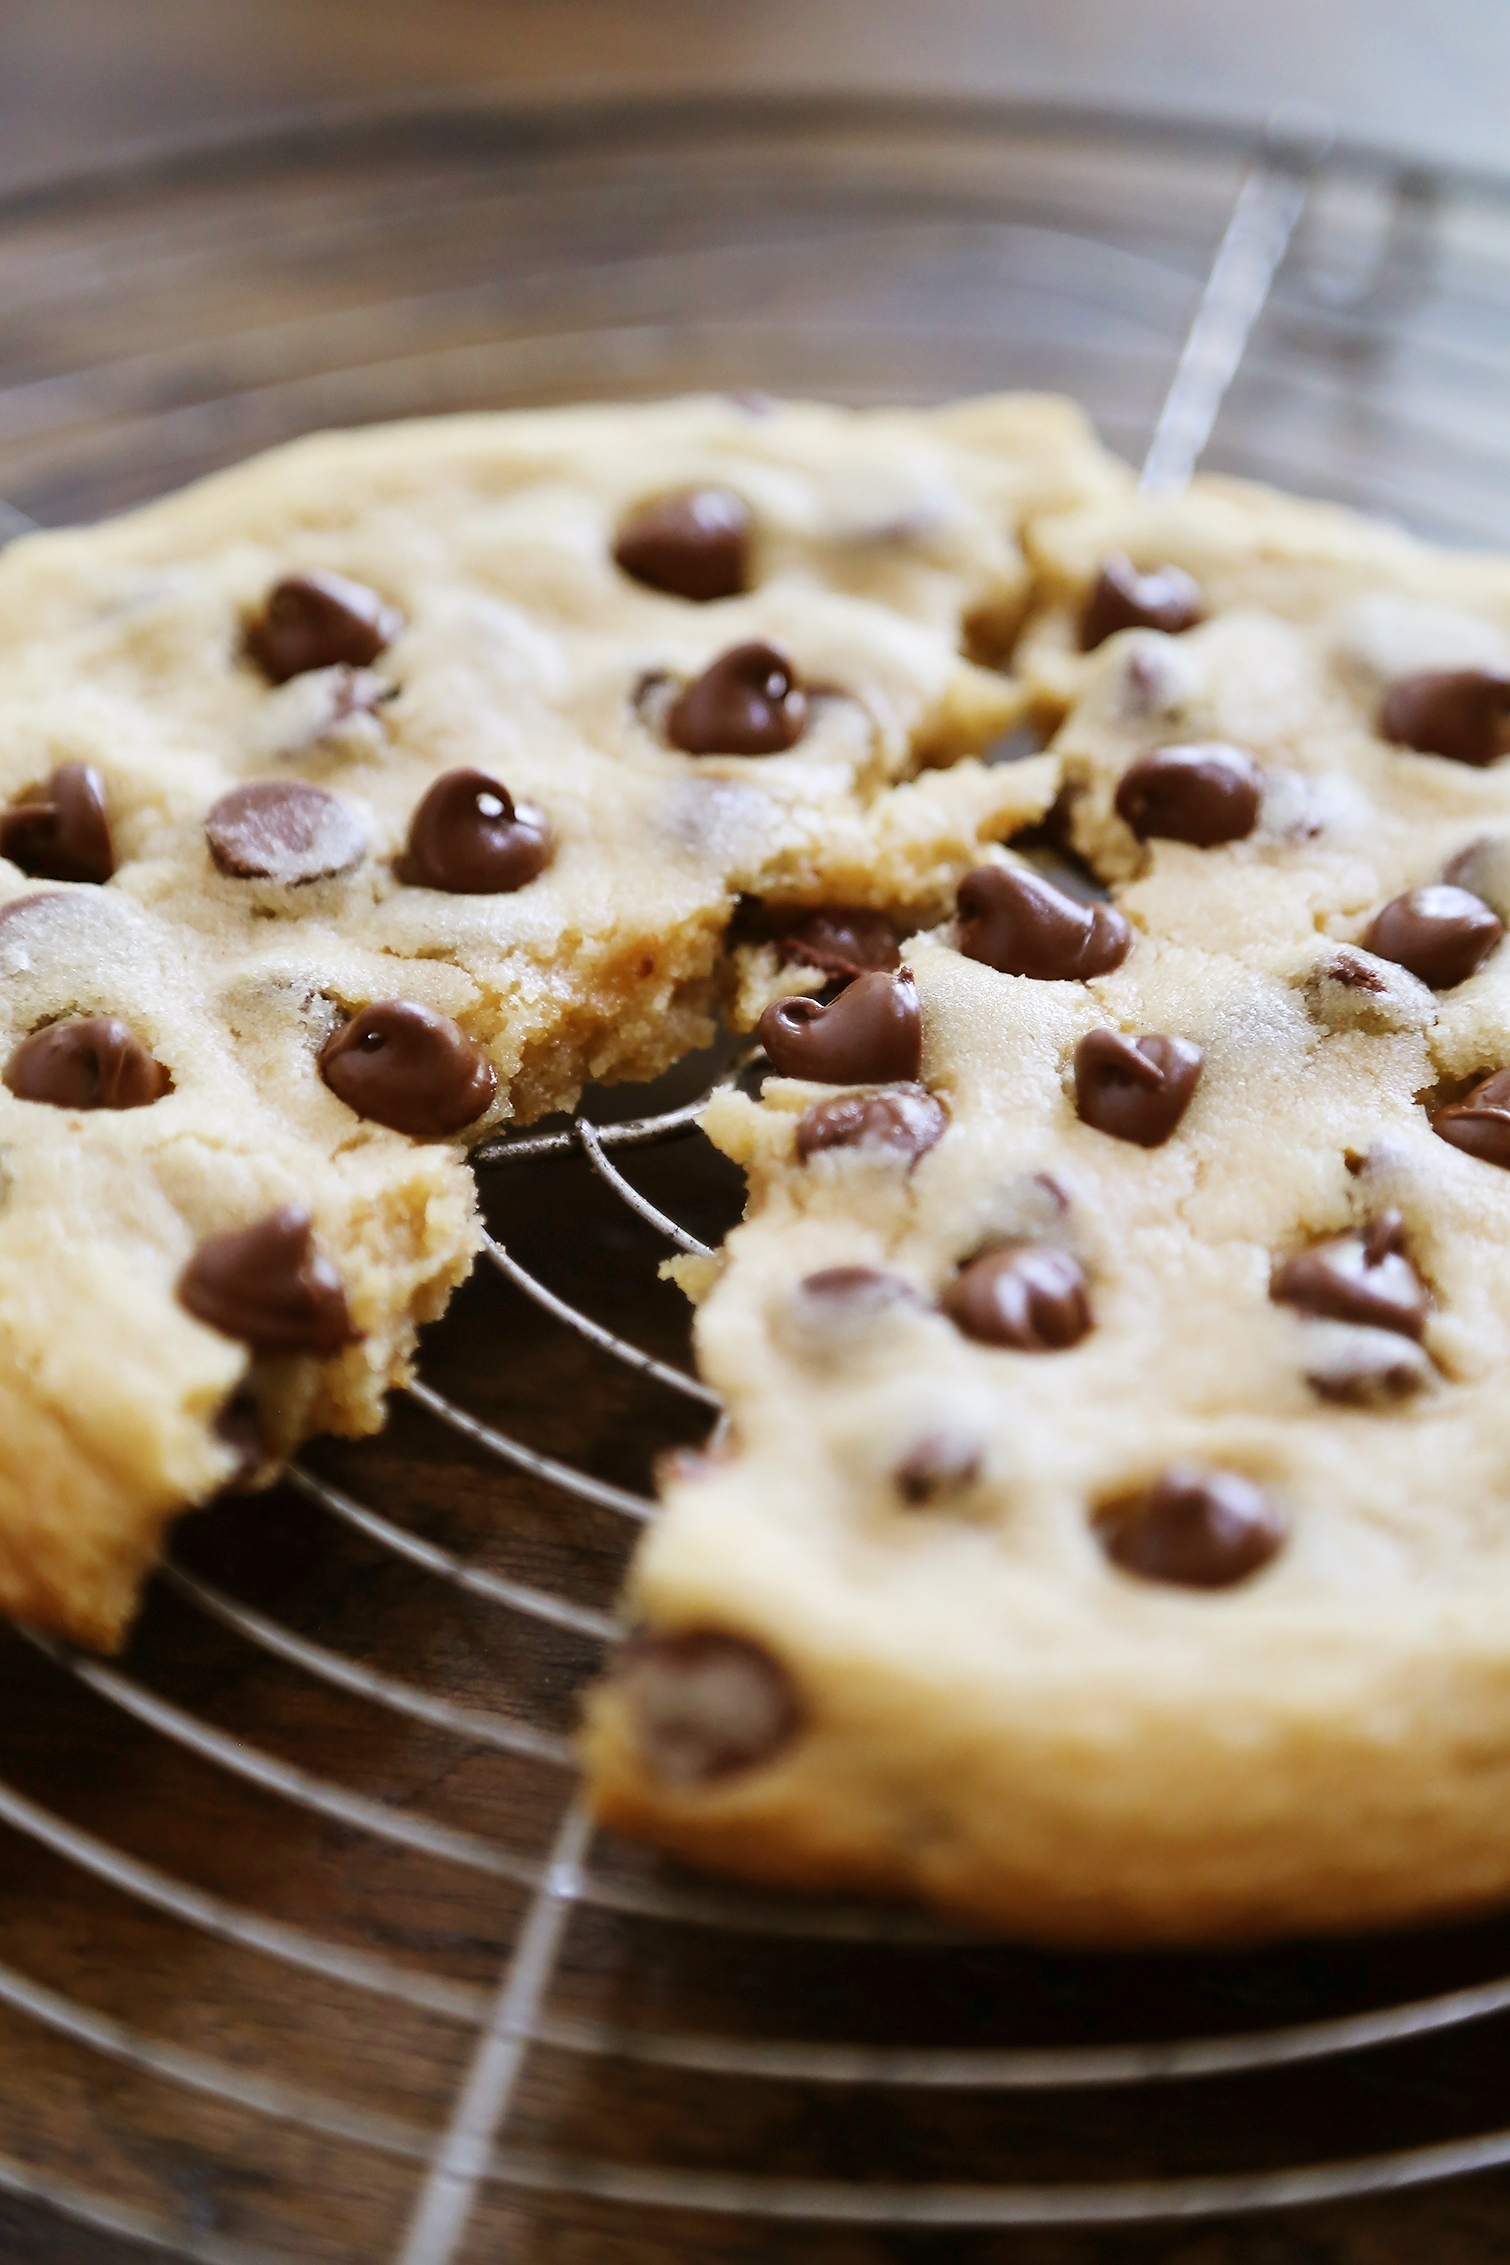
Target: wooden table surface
[{"x": 81, "y": 75}]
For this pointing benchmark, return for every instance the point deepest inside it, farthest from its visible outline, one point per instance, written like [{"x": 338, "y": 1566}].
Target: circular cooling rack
[{"x": 307, "y": 1950}]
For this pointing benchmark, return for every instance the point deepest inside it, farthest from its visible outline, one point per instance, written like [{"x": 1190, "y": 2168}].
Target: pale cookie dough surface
[
  {"x": 984, "y": 1708},
  {"x": 881, "y": 546},
  {"x": 1385, "y": 603},
  {"x": 524, "y": 653},
  {"x": 111, "y": 1390}
]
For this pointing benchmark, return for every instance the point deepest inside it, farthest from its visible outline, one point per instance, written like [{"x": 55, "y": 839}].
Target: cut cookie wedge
[
  {"x": 189, "y": 1283},
  {"x": 1111, "y": 1538},
  {"x": 360, "y": 801}
]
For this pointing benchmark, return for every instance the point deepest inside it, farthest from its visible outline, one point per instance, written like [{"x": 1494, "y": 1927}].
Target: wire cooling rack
[{"x": 307, "y": 1948}]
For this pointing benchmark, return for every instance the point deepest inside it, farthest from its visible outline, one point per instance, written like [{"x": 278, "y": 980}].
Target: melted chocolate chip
[
  {"x": 468, "y": 837},
  {"x": 942, "y": 1463},
  {"x": 1352, "y": 990},
  {"x": 1442, "y": 934},
  {"x": 905, "y": 1123},
  {"x": 269, "y": 1287},
  {"x": 1364, "y": 1368},
  {"x": 705, "y": 1705},
  {"x": 20, "y": 907},
  {"x": 856, "y": 1291},
  {"x": 312, "y": 621},
  {"x": 747, "y": 703},
  {"x": 1045, "y": 1194},
  {"x": 93, "y": 1064},
  {"x": 1205, "y": 794},
  {"x": 1027, "y": 1296},
  {"x": 1197, "y": 1529},
  {"x": 283, "y": 830},
  {"x": 1122, "y": 598},
  {"x": 1020, "y": 924},
  {"x": 842, "y": 1313},
  {"x": 405, "y": 1066},
  {"x": 840, "y": 940},
  {"x": 1480, "y": 1123},
  {"x": 1482, "y": 866},
  {"x": 1136, "y": 1089},
  {"x": 1354, "y": 973},
  {"x": 1365, "y": 1278},
  {"x": 1462, "y": 714},
  {"x": 692, "y": 544},
  {"x": 872, "y": 1034},
  {"x": 59, "y": 832}
]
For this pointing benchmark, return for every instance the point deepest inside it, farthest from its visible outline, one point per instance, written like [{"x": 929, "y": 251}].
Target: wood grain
[{"x": 84, "y": 75}]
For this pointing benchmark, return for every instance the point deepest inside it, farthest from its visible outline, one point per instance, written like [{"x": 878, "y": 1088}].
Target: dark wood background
[{"x": 79, "y": 75}]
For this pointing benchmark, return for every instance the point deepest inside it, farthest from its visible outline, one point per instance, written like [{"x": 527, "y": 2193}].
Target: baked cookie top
[
  {"x": 386, "y": 789},
  {"x": 1112, "y": 1538}
]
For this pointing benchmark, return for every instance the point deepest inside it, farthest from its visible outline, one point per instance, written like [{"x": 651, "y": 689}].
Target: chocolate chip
[
  {"x": 1198, "y": 1529},
  {"x": 705, "y": 1705},
  {"x": 1136, "y": 1089},
  {"x": 1044, "y": 1194},
  {"x": 692, "y": 544},
  {"x": 21, "y": 907},
  {"x": 905, "y": 1123},
  {"x": 1365, "y": 1278},
  {"x": 283, "y": 830},
  {"x": 842, "y": 1313},
  {"x": 1352, "y": 990},
  {"x": 468, "y": 837},
  {"x": 96, "y": 1063},
  {"x": 59, "y": 832},
  {"x": 1442, "y": 934},
  {"x": 1020, "y": 924},
  {"x": 1355, "y": 971},
  {"x": 269, "y": 1287},
  {"x": 840, "y": 940},
  {"x": 1122, "y": 598},
  {"x": 1363, "y": 1368},
  {"x": 1483, "y": 867},
  {"x": 311, "y": 621},
  {"x": 858, "y": 1291},
  {"x": 405, "y": 1066},
  {"x": 942, "y": 1463},
  {"x": 1480, "y": 1123},
  {"x": 1153, "y": 680},
  {"x": 1204, "y": 794},
  {"x": 748, "y": 703},
  {"x": 1463, "y": 714},
  {"x": 1027, "y": 1296},
  {"x": 872, "y": 1034},
  {"x": 238, "y": 1427}
]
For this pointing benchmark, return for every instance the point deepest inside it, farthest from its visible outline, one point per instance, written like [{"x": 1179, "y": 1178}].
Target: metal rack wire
[{"x": 441, "y": 2160}]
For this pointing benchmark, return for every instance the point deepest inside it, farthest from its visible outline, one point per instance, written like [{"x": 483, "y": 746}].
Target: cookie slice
[
  {"x": 1109, "y": 1540},
  {"x": 1127, "y": 1547},
  {"x": 362, "y": 800},
  {"x": 189, "y": 1284},
  {"x": 434, "y": 695}
]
